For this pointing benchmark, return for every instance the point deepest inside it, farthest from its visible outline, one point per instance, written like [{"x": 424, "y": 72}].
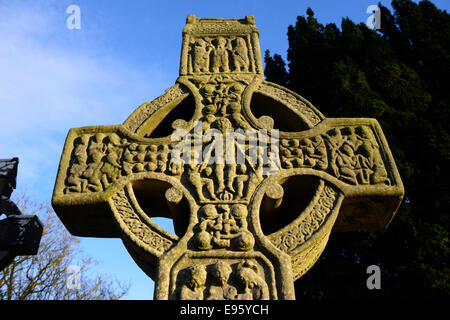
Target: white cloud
[
  {"x": 53, "y": 79},
  {"x": 49, "y": 83}
]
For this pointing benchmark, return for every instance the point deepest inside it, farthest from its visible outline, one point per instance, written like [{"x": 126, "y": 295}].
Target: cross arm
[
  {"x": 96, "y": 162},
  {"x": 353, "y": 155}
]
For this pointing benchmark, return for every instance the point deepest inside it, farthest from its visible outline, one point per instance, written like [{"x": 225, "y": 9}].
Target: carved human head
[
  {"x": 239, "y": 211},
  {"x": 197, "y": 275},
  {"x": 221, "y": 42},
  {"x": 220, "y": 272},
  {"x": 208, "y": 211}
]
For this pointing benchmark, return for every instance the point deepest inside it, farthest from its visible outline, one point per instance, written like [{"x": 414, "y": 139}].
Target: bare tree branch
[{"x": 45, "y": 276}]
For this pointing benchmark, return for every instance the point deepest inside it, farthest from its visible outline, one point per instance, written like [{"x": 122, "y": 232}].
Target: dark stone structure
[{"x": 19, "y": 234}]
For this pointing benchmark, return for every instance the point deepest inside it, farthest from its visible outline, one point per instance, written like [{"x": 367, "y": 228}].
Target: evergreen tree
[{"x": 398, "y": 75}]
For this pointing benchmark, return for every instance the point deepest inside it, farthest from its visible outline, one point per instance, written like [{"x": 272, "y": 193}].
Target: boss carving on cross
[{"x": 254, "y": 177}]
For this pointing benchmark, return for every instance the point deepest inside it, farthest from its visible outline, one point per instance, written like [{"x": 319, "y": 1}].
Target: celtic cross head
[{"x": 253, "y": 176}]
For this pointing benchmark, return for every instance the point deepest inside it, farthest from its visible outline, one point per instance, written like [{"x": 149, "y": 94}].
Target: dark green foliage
[
  {"x": 400, "y": 76},
  {"x": 276, "y": 67}
]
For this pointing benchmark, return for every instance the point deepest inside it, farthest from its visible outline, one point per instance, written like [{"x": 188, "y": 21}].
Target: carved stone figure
[
  {"x": 369, "y": 159},
  {"x": 206, "y": 228},
  {"x": 193, "y": 288},
  {"x": 220, "y": 61},
  {"x": 111, "y": 167},
  {"x": 95, "y": 151},
  {"x": 194, "y": 175},
  {"x": 240, "y": 55},
  {"x": 240, "y": 179},
  {"x": 75, "y": 181},
  {"x": 219, "y": 288},
  {"x": 253, "y": 286},
  {"x": 236, "y": 117},
  {"x": 253, "y": 203},
  {"x": 201, "y": 56}
]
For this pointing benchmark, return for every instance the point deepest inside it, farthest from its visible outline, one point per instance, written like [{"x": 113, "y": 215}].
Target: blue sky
[{"x": 126, "y": 53}]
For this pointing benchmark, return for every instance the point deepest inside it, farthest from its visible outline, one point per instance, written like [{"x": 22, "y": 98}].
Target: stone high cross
[{"x": 254, "y": 177}]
